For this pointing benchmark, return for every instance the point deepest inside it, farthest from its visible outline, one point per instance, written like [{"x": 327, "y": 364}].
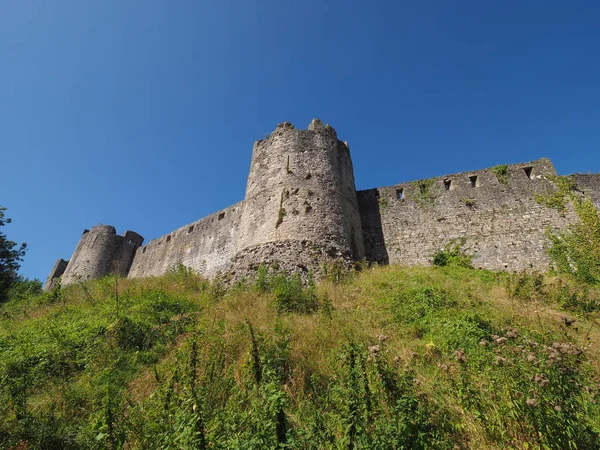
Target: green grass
[{"x": 391, "y": 357}]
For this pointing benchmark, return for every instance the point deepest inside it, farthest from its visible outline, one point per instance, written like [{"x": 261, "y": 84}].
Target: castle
[{"x": 302, "y": 210}]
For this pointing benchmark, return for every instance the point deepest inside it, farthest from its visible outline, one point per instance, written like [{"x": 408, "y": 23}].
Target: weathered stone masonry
[{"x": 302, "y": 210}]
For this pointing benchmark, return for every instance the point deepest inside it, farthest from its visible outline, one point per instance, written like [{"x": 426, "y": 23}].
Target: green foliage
[
  {"x": 282, "y": 212},
  {"x": 470, "y": 202},
  {"x": 23, "y": 288},
  {"x": 525, "y": 286},
  {"x": 382, "y": 202},
  {"x": 423, "y": 192},
  {"x": 576, "y": 251},
  {"x": 410, "y": 358},
  {"x": 501, "y": 173},
  {"x": 11, "y": 255},
  {"x": 290, "y": 295},
  {"x": 453, "y": 255},
  {"x": 556, "y": 200}
]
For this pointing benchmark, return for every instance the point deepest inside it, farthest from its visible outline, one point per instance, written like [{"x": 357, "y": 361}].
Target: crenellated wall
[
  {"x": 206, "y": 246},
  {"x": 301, "y": 210},
  {"x": 495, "y": 210},
  {"x": 100, "y": 252}
]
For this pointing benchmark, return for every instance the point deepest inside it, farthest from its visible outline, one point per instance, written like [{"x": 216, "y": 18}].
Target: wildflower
[
  {"x": 460, "y": 356},
  {"x": 568, "y": 321},
  {"x": 500, "y": 361},
  {"x": 382, "y": 337},
  {"x": 512, "y": 333},
  {"x": 540, "y": 379},
  {"x": 532, "y": 402}
]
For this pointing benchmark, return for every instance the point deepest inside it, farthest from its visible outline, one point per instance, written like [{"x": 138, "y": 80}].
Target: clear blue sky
[{"x": 142, "y": 114}]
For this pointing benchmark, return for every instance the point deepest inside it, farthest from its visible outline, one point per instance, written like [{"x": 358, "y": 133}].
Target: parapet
[
  {"x": 301, "y": 211},
  {"x": 102, "y": 252},
  {"x": 133, "y": 238},
  {"x": 59, "y": 268}
]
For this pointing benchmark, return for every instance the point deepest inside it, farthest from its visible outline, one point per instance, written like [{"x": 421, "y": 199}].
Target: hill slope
[{"x": 391, "y": 357}]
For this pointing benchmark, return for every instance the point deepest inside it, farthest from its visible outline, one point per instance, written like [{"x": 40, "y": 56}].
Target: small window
[
  {"x": 528, "y": 172},
  {"x": 144, "y": 250},
  {"x": 447, "y": 184},
  {"x": 221, "y": 216},
  {"x": 168, "y": 238},
  {"x": 190, "y": 229},
  {"x": 474, "y": 181},
  {"x": 400, "y": 193}
]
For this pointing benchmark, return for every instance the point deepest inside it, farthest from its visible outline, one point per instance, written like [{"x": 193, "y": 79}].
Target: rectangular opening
[
  {"x": 474, "y": 180},
  {"x": 190, "y": 229},
  {"x": 528, "y": 172},
  {"x": 221, "y": 216},
  {"x": 400, "y": 193},
  {"x": 447, "y": 184},
  {"x": 169, "y": 238}
]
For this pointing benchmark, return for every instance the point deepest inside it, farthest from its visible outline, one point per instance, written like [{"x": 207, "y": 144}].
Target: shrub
[
  {"x": 501, "y": 173},
  {"x": 576, "y": 251},
  {"x": 453, "y": 255}
]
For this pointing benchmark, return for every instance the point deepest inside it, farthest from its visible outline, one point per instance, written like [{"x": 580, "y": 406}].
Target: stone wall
[
  {"x": 57, "y": 271},
  {"x": 301, "y": 210},
  {"x": 300, "y": 206},
  {"x": 589, "y": 184},
  {"x": 207, "y": 246},
  {"x": 101, "y": 252},
  {"x": 494, "y": 210}
]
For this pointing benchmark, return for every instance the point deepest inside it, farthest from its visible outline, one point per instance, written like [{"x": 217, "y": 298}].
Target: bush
[
  {"x": 576, "y": 251},
  {"x": 291, "y": 296},
  {"x": 453, "y": 255}
]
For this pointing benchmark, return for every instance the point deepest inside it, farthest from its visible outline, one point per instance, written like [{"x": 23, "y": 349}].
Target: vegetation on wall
[
  {"x": 423, "y": 192},
  {"x": 576, "y": 251},
  {"x": 565, "y": 185},
  {"x": 382, "y": 201},
  {"x": 501, "y": 173},
  {"x": 453, "y": 255},
  {"x": 281, "y": 213}
]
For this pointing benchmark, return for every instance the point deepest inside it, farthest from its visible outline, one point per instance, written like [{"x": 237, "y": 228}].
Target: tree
[{"x": 11, "y": 254}]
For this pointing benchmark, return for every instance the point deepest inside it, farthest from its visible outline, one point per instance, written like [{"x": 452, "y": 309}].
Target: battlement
[
  {"x": 491, "y": 182},
  {"x": 301, "y": 210},
  {"x": 101, "y": 252}
]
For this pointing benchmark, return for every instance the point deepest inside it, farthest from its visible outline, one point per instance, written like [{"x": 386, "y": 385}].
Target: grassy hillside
[{"x": 391, "y": 357}]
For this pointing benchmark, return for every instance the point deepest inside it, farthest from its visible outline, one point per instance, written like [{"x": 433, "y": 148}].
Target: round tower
[
  {"x": 100, "y": 252},
  {"x": 300, "y": 207}
]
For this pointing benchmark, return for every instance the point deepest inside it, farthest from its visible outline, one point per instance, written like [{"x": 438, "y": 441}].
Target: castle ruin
[{"x": 302, "y": 210}]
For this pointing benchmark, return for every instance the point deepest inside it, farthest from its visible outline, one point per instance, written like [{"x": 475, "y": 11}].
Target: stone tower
[
  {"x": 301, "y": 207},
  {"x": 101, "y": 252}
]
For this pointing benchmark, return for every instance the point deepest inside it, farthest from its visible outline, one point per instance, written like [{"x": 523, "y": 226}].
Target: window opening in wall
[
  {"x": 144, "y": 250},
  {"x": 474, "y": 181},
  {"x": 168, "y": 238},
  {"x": 400, "y": 193},
  {"x": 447, "y": 184},
  {"x": 528, "y": 172},
  {"x": 190, "y": 229},
  {"x": 221, "y": 216}
]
